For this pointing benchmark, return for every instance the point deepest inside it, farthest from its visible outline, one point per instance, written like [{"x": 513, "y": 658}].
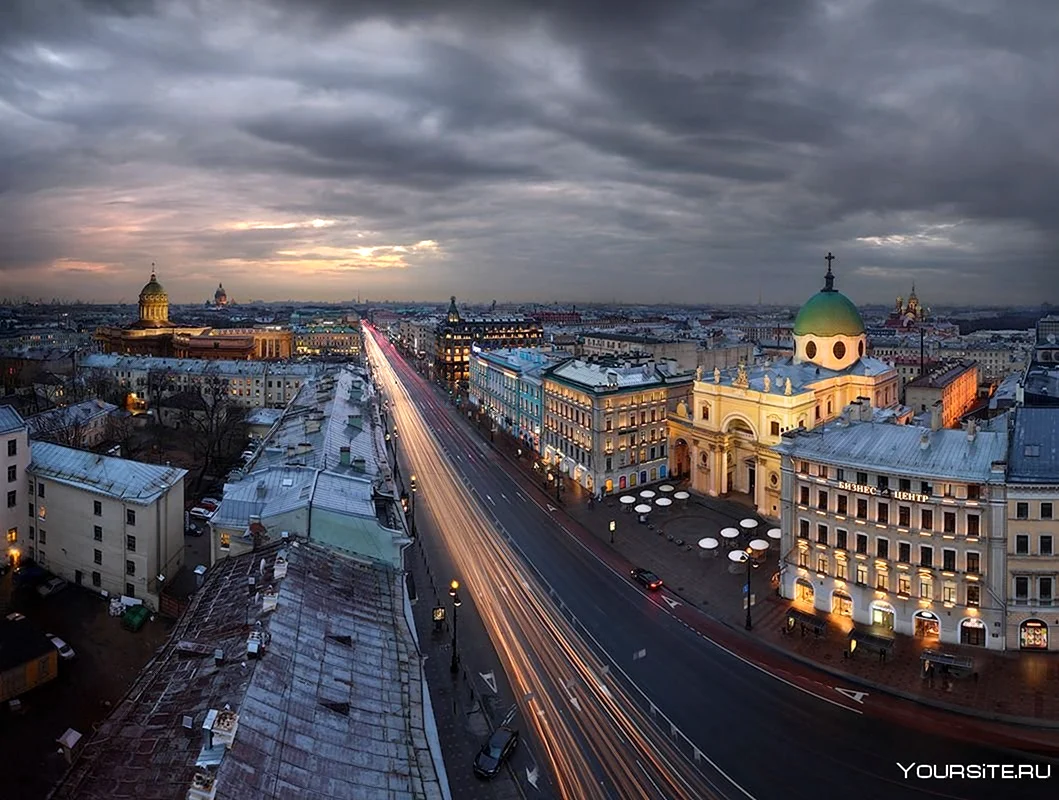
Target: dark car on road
[
  {"x": 646, "y": 578},
  {"x": 29, "y": 574},
  {"x": 495, "y": 752}
]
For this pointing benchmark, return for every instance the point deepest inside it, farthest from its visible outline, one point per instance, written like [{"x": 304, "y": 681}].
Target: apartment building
[
  {"x": 15, "y": 454},
  {"x": 506, "y": 384},
  {"x": 1033, "y": 529},
  {"x": 604, "y": 425},
  {"x": 952, "y": 388},
  {"x": 897, "y": 527},
  {"x": 254, "y": 384},
  {"x": 114, "y": 525},
  {"x": 85, "y": 424},
  {"x": 456, "y": 335},
  {"x": 684, "y": 352},
  {"x": 325, "y": 339}
]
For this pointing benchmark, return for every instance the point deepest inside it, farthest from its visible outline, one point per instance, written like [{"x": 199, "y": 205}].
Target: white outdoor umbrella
[
  {"x": 730, "y": 533},
  {"x": 709, "y": 543},
  {"x": 749, "y": 524},
  {"x": 759, "y": 544},
  {"x": 738, "y": 556},
  {"x": 643, "y": 508},
  {"x": 647, "y": 494},
  {"x": 663, "y": 501},
  {"x": 681, "y": 495},
  {"x": 627, "y": 500},
  {"x": 774, "y": 533},
  {"x": 665, "y": 487}
]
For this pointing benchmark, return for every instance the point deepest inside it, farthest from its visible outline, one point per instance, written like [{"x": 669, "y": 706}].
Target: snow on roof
[
  {"x": 10, "y": 420},
  {"x": 131, "y": 481}
]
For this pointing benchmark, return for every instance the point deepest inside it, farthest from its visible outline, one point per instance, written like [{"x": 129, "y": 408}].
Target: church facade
[
  {"x": 723, "y": 442},
  {"x": 153, "y": 334}
]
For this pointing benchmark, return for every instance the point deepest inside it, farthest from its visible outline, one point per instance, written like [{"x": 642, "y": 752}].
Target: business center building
[{"x": 898, "y": 527}]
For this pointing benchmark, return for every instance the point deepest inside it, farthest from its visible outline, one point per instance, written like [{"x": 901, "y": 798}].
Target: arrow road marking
[
  {"x": 532, "y": 774},
  {"x": 670, "y": 601},
  {"x": 851, "y": 694},
  {"x": 490, "y": 680},
  {"x": 551, "y": 507}
]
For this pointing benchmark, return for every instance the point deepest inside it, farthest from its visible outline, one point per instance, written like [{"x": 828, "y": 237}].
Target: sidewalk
[{"x": 1013, "y": 688}]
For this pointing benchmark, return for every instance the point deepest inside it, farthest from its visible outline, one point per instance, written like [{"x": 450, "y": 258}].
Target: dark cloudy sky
[{"x": 644, "y": 150}]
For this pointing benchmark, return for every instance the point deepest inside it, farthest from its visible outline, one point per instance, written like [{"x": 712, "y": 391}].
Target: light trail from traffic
[{"x": 596, "y": 740}]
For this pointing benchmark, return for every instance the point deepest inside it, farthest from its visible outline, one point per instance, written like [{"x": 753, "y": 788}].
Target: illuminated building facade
[
  {"x": 506, "y": 385},
  {"x": 153, "y": 334},
  {"x": 953, "y": 385},
  {"x": 456, "y": 335},
  {"x": 14, "y": 458},
  {"x": 897, "y": 527},
  {"x": 723, "y": 440}
]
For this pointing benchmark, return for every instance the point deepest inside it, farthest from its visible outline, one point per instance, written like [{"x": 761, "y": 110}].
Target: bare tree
[
  {"x": 65, "y": 426},
  {"x": 121, "y": 430},
  {"x": 214, "y": 430},
  {"x": 96, "y": 383}
]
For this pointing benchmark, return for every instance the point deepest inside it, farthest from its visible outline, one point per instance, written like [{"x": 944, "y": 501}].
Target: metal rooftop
[
  {"x": 10, "y": 420},
  {"x": 131, "y": 481},
  {"x": 197, "y": 366},
  {"x": 1034, "y": 455},
  {"x": 802, "y": 376},
  {"x": 901, "y": 449},
  {"x": 78, "y": 414},
  {"x": 332, "y": 706}
]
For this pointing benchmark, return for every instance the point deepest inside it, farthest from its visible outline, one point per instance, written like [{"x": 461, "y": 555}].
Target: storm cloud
[{"x": 700, "y": 151}]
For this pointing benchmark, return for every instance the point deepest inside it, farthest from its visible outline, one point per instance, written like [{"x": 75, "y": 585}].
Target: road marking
[
  {"x": 490, "y": 680},
  {"x": 505, "y": 497},
  {"x": 490, "y": 499},
  {"x": 510, "y": 714},
  {"x": 532, "y": 774},
  {"x": 652, "y": 780},
  {"x": 551, "y": 507},
  {"x": 639, "y": 654},
  {"x": 852, "y": 694},
  {"x": 521, "y": 496},
  {"x": 670, "y": 601}
]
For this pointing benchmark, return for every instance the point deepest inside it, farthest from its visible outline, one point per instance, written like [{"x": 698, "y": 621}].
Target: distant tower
[
  {"x": 220, "y": 297},
  {"x": 454, "y": 313}
]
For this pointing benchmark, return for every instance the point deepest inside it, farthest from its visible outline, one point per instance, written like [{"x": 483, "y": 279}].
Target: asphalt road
[{"x": 767, "y": 737}]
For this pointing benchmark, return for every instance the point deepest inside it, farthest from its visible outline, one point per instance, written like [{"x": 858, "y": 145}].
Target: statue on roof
[
  {"x": 768, "y": 383},
  {"x": 787, "y": 387},
  {"x": 698, "y": 373},
  {"x": 716, "y": 374},
  {"x": 741, "y": 379}
]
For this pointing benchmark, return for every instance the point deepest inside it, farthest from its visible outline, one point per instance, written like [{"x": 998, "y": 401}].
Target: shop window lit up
[{"x": 1033, "y": 635}]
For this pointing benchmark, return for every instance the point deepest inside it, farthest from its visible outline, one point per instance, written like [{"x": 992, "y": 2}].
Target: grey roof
[
  {"x": 803, "y": 375},
  {"x": 1042, "y": 383},
  {"x": 334, "y": 707},
  {"x": 10, "y": 420},
  {"x": 345, "y": 494},
  {"x": 265, "y": 493},
  {"x": 595, "y": 376},
  {"x": 941, "y": 375},
  {"x": 897, "y": 449},
  {"x": 196, "y": 366},
  {"x": 131, "y": 481},
  {"x": 1034, "y": 456},
  {"x": 78, "y": 414},
  {"x": 263, "y": 416}
]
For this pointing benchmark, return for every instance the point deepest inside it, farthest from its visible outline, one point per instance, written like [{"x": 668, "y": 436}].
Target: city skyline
[{"x": 645, "y": 153}]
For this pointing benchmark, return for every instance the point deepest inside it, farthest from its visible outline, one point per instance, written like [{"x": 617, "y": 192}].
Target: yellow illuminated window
[
  {"x": 226, "y": 541},
  {"x": 12, "y": 535}
]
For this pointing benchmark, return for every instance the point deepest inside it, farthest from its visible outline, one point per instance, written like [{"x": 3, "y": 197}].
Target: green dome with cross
[{"x": 829, "y": 312}]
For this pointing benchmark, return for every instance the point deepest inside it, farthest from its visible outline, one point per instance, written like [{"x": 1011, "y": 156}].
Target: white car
[
  {"x": 53, "y": 586},
  {"x": 65, "y": 651},
  {"x": 202, "y": 513},
  {"x": 14, "y": 616}
]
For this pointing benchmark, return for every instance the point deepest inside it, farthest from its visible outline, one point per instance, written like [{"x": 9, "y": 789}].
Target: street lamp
[
  {"x": 613, "y": 525},
  {"x": 413, "y": 487},
  {"x": 454, "y": 667},
  {"x": 744, "y": 557}
]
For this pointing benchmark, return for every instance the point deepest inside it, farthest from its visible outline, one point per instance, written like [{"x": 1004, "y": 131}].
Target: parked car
[
  {"x": 66, "y": 652},
  {"x": 210, "y": 502},
  {"x": 52, "y": 586},
  {"x": 495, "y": 752},
  {"x": 14, "y": 616},
  {"x": 202, "y": 513},
  {"x": 194, "y": 530}
]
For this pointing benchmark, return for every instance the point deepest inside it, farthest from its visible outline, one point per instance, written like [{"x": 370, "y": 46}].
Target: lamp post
[
  {"x": 613, "y": 525},
  {"x": 744, "y": 557},
  {"x": 454, "y": 667},
  {"x": 413, "y": 487}
]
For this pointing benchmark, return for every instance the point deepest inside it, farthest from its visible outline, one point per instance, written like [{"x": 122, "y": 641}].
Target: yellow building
[
  {"x": 953, "y": 385},
  {"x": 724, "y": 441}
]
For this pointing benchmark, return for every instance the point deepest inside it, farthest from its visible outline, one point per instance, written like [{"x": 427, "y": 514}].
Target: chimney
[
  {"x": 935, "y": 416},
  {"x": 291, "y": 450},
  {"x": 359, "y": 464},
  {"x": 355, "y": 419},
  {"x": 343, "y": 456},
  {"x": 262, "y": 490},
  {"x": 207, "y": 728},
  {"x": 203, "y": 787},
  {"x": 200, "y": 576},
  {"x": 972, "y": 430},
  {"x": 218, "y": 657},
  {"x": 1020, "y": 394},
  {"x": 924, "y": 440},
  {"x": 279, "y": 568}
]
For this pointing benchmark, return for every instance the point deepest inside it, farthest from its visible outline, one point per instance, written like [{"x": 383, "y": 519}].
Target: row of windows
[
  {"x": 924, "y": 586},
  {"x": 860, "y": 510},
  {"x": 1044, "y": 544},
  {"x": 1044, "y": 510},
  {"x": 624, "y": 401},
  {"x": 885, "y": 482},
  {"x": 860, "y": 544},
  {"x": 1045, "y": 589}
]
